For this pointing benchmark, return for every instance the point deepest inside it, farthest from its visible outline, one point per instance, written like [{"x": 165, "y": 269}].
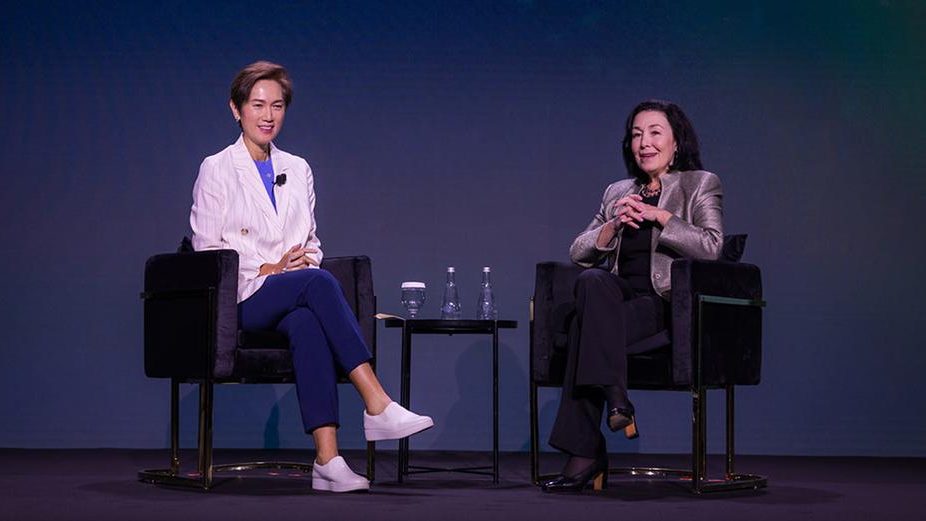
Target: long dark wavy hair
[{"x": 688, "y": 156}]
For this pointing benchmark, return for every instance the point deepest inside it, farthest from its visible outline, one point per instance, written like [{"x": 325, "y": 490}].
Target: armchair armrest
[
  {"x": 553, "y": 306},
  {"x": 190, "y": 314},
  {"x": 730, "y": 327},
  {"x": 355, "y": 274}
]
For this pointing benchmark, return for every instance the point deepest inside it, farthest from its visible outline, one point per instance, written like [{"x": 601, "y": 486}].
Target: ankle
[
  {"x": 577, "y": 465},
  {"x": 616, "y": 398},
  {"x": 378, "y": 405},
  {"x": 625, "y": 411},
  {"x": 322, "y": 458}
]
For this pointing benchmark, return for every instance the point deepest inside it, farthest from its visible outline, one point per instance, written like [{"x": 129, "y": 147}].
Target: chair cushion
[
  {"x": 733, "y": 247},
  {"x": 651, "y": 370},
  {"x": 186, "y": 245},
  {"x": 263, "y": 366},
  {"x": 650, "y": 343},
  {"x": 262, "y": 339}
]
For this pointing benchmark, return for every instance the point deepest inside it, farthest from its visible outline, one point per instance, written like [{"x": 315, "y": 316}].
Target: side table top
[{"x": 436, "y": 325}]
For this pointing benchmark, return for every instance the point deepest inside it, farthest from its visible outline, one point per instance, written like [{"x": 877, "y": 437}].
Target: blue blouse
[{"x": 266, "y": 175}]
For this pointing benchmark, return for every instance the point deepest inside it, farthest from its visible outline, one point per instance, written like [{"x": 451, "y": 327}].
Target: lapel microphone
[{"x": 280, "y": 180}]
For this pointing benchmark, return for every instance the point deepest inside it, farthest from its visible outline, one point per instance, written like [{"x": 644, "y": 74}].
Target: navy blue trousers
[{"x": 308, "y": 306}]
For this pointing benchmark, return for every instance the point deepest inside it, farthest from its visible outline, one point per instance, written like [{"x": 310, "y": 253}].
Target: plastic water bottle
[
  {"x": 450, "y": 309},
  {"x": 485, "y": 308}
]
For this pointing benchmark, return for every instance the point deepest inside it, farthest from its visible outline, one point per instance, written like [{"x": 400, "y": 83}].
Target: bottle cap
[
  {"x": 413, "y": 285},
  {"x": 486, "y": 269},
  {"x": 450, "y": 269}
]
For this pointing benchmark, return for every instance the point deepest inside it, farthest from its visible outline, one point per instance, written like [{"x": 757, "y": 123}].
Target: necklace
[{"x": 645, "y": 191}]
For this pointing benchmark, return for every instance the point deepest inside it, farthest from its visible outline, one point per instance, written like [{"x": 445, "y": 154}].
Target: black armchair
[
  {"x": 191, "y": 335},
  {"x": 714, "y": 341}
]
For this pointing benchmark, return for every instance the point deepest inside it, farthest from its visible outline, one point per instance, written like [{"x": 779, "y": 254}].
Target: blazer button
[{"x": 244, "y": 231}]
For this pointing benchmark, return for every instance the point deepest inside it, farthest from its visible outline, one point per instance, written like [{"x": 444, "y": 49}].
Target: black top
[{"x": 633, "y": 261}]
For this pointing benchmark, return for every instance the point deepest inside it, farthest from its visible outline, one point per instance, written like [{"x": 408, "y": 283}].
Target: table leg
[
  {"x": 405, "y": 398},
  {"x": 495, "y": 404}
]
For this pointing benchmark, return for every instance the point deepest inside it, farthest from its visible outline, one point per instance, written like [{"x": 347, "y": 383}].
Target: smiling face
[
  {"x": 652, "y": 142},
  {"x": 261, "y": 117}
]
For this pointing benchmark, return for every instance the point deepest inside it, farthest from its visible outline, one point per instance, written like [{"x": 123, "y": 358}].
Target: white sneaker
[
  {"x": 393, "y": 423},
  {"x": 336, "y": 476}
]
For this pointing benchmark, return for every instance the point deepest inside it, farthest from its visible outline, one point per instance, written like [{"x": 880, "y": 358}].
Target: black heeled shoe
[
  {"x": 597, "y": 473},
  {"x": 623, "y": 419}
]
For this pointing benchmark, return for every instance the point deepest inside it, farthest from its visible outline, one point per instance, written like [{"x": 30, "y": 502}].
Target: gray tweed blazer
[{"x": 695, "y": 231}]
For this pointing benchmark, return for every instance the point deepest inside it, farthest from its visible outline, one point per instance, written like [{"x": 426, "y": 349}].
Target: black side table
[{"x": 450, "y": 327}]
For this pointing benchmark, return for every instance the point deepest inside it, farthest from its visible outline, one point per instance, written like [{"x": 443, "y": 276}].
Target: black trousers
[{"x": 609, "y": 318}]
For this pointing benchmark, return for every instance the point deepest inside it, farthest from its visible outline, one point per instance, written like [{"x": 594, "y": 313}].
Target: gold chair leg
[
  {"x": 535, "y": 436},
  {"x": 698, "y": 438},
  {"x": 730, "y": 442},
  {"x": 174, "y": 426},
  {"x": 371, "y": 460},
  {"x": 205, "y": 433},
  {"x": 534, "y": 413}
]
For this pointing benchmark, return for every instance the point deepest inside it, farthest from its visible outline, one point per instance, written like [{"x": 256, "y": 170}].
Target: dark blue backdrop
[{"x": 467, "y": 134}]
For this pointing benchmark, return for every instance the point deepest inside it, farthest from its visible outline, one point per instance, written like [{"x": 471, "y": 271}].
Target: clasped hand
[
  {"x": 296, "y": 258},
  {"x": 631, "y": 211}
]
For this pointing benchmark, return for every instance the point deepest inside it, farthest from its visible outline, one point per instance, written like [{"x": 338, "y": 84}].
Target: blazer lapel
[
  {"x": 668, "y": 200},
  {"x": 250, "y": 179}
]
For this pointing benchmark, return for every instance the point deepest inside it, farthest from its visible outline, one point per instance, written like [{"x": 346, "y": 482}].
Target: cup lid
[{"x": 413, "y": 285}]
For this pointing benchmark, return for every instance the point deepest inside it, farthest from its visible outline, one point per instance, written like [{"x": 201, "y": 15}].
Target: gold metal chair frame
[
  {"x": 204, "y": 478},
  {"x": 697, "y": 475}
]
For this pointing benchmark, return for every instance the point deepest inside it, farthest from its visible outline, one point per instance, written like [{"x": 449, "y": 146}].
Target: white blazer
[{"x": 231, "y": 210}]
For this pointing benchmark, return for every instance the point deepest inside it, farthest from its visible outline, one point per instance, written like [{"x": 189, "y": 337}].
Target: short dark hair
[
  {"x": 262, "y": 70},
  {"x": 688, "y": 156}
]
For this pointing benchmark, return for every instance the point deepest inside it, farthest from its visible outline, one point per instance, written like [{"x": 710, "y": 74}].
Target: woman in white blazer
[
  {"x": 258, "y": 200},
  {"x": 669, "y": 208}
]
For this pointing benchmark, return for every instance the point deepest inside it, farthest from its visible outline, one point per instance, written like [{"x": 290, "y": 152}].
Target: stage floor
[{"x": 102, "y": 485}]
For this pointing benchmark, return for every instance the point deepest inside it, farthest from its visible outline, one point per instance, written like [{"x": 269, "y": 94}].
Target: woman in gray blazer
[{"x": 668, "y": 208}]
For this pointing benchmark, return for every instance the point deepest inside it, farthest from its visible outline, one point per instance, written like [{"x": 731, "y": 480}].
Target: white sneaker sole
[
  {"x": 325, "y": 485},
  {"x": 390, "y": 434}
]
